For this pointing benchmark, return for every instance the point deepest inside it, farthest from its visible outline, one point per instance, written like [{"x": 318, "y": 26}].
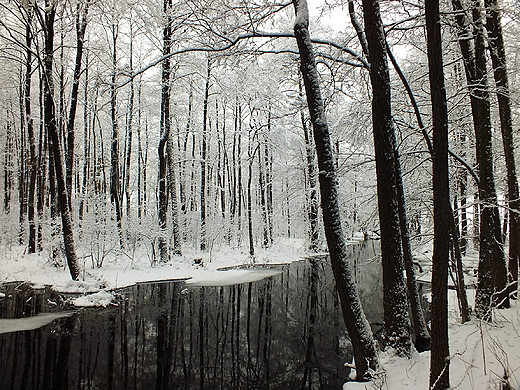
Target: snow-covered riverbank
[{"x": 120, "y": 270}]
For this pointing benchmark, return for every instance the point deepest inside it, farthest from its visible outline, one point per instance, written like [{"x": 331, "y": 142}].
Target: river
[{"x": 282, "y": 332}]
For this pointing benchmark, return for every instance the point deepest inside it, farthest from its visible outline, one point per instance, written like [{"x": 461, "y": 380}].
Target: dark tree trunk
[
  {"x": 81, "y": 25},
  {"x": 492, "y": 273},
  {"x": 29, "y": 123},
  {"x": 263, "y": 198},
  {"x": 251, "y": 159},
  {"x": 422, "y": 333},
  {"x": 388, "y": 171},
  {"x": 461, "y": 292},
  {"x": 268, "y": 159},
  {"x": 87, "y": 145},
  {"x": 204, "y": 142},
  {"x": 115, "y": 177},
  {"x": 42, "y": 168},
  {"x": 139, "y": 157},
  {"x": 239, "y": 176},
  {"x": 491, "y": 244},
  {"x": 165, "y": 133},
  {"x": 130, "y": 128},
  {"x": 50, "y": 124},
  {"x": 312, "y": 191},
  {"x": 21, "y": 148},
  {"x": 183, "y": 192},
  {"x": 498, "y": 58},
  {"x": 365, "y": 353},
  {"x": 439, "y": 364},
  {"x": 8, "y": 164},
  {"x": 172, "y": 187},
  {"x": 463, "y": 185}
]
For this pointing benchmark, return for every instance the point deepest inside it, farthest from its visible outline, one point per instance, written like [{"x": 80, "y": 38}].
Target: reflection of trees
[
  {"x": 311, "y": 362},
  {"x": 61, "y": 371},
  {"x": 281, "y": 332}
]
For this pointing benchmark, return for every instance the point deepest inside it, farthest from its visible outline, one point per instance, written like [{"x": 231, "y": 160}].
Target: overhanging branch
[{"x": 233, "y": 42}]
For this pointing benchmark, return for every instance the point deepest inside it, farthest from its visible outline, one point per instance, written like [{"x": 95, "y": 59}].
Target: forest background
[{"x": 140, "y": 129}]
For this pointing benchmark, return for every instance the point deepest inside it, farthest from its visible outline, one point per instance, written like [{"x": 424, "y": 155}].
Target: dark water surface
[{"x": 282, "y": 332}]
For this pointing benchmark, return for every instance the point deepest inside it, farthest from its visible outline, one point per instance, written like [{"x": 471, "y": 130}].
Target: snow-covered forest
[{"x": 166, "y": 132}]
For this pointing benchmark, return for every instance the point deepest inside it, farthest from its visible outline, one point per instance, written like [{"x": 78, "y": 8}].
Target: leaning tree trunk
[
  {"x": 498, "y": 58},
  {"x": 50, "y": 124},
  {"x": 439, "y": 364},
  {"x": 395, "y": 302},
  {"x": 81, "y": 25},
  {"x": 365, "y": 353}
]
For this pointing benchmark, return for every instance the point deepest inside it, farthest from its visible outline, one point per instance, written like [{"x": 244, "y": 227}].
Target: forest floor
[
  {"x": 483, "y": 355},
  {"x": 124, "y": 268}
]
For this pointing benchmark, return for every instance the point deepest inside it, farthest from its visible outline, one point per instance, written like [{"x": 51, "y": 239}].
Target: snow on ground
[
  {"x": 480, "y": 355},
  {"x": 124, "y": 270},
  {"x": 230, "y": 277},
  {"x": 101, "y": 298}
]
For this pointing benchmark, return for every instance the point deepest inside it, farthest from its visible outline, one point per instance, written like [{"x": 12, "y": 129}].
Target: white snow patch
[
  {"x": 480, "y": 355},
  {"x": 122, "y": 270},
  {"x": 231, "y": 277},
  {"x": 8, "y": 325},
  {"x": 101, "y": 298}
]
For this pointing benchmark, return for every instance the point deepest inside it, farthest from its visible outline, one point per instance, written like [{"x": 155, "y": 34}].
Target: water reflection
[{"x": 281, "y": 332}]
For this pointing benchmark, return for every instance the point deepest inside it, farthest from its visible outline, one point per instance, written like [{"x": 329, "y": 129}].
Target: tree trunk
[
  {"x": 312, "y": 191},
  {"x": 21, "y": 148},
  {"x": 498, "y": 58},
  {"x": 139, "y": 156},
  {"x": 130, "y": 124},
  {"x": 388, "y": 171},
  {"x": 365, "y": 353},
  {"x": 461, "y": 292},
  {"x": 29, "y": 123},
  {"x": 87, "y": 145},
  {"x": 165, "y": 133},
  {"x": 50, "y": 124},
  {"x": 81, "y": 25},
  {"x": 172, "y": 187},
  {"x": 439, "y": 364},
  {"x": 115, "y": 177},
  {"x": 204, "y": 141},
  {"x": 268, "y": 160},
  {"x": 492, "y": 274},
  {"x": 8, "y": 164},
  {"x": 422, "y": 334},
  {"x": 263, "y": 197}
]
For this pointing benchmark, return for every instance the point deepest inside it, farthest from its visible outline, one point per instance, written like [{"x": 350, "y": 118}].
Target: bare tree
[
  {"x": 54, "y": 139},
  {"x": 439, "y": 364},
  {"x": 492, "y": 273},
  {"x": 165, "y": 132},
  {"x": 388, "y": 170},
  {"x": 498, "y": 58},
  {"x": 365, "y": 353}
]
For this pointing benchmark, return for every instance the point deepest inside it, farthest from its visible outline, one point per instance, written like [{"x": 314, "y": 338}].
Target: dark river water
[{"x": 282, "y": 332}]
